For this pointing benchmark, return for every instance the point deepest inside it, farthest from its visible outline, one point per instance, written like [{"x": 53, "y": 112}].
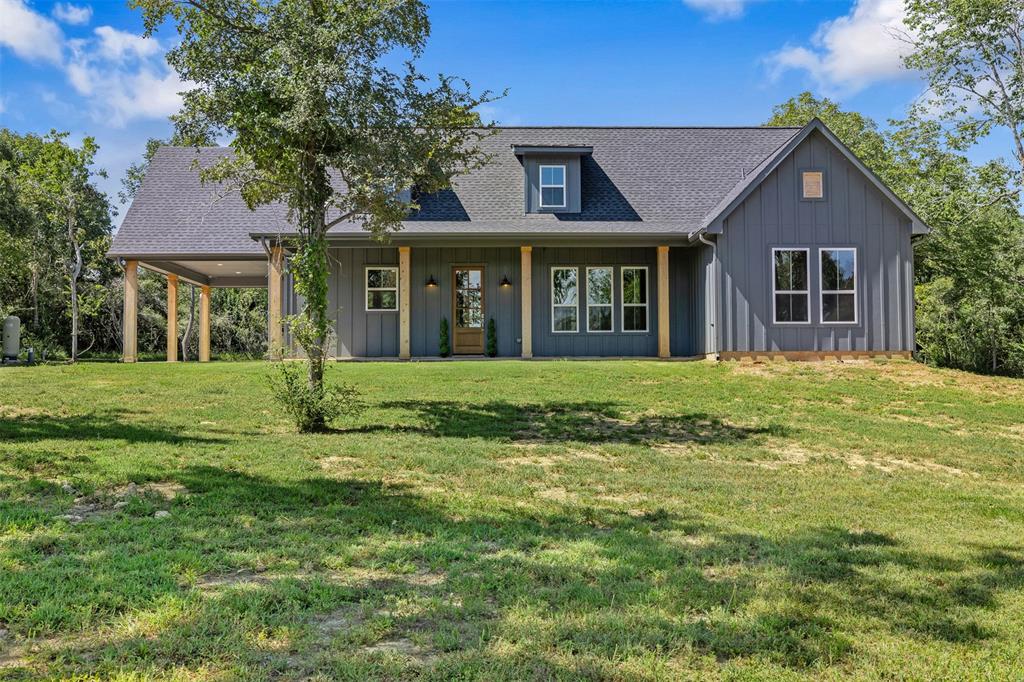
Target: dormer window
[{"x": 552, "y": 186}]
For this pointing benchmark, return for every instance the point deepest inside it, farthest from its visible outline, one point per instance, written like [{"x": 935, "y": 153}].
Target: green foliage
[
  {"x": 971, "y": 55},
  {"x": 56, "y": 230},
  {"x": 492, "y": 339},
  {"x": 312, "y": 407},
  {"x": 307, "y": 94},
  {"x": 444, "y": 345}
]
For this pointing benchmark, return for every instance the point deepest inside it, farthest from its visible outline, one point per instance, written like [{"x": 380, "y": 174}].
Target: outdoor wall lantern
[
  {"x": 431, "y": 283},
  {"x": 504, "y": 282}
]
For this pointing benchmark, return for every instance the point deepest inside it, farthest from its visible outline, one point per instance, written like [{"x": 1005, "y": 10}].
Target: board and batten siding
[
  {"x": 547, "y": 343},
  {"x": 852, "y": 214}
]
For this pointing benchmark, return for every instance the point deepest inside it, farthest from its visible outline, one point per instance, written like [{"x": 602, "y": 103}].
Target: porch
[{"x": 388, "y": 301}]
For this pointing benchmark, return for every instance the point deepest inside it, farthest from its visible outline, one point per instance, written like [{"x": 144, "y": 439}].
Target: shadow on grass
[
  {"x": 105, "y": 425},
  {"x": 575, "y": 590},
  {"x": 587, "y": 421}
]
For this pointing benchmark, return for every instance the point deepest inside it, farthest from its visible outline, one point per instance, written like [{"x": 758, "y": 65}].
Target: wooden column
[
  {"x": 404, "y": 275},
  {"x": 664, "y": 347},
  {"x": 131, "y": 310},
  {"x": 526, "y": 276},
  {"x": 172, "y": 318},
  {"x": 204, "y": 323},
  {"x": 275, "y": 333}
]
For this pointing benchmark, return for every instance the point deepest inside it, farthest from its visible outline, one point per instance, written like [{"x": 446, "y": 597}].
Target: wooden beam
[
  {"x": 404, "y": 275},
  {"x": 204, "y": 323},
  {"x": 172, "y": 318},
  {"x": 664, "y": 340},
  {"x": 131, "y": 310},
  {"x": 275, "y": 332},
  {"x": 526, "y": 303}
]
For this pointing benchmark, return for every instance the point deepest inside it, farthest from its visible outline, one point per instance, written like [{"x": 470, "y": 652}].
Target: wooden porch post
[
  {"x": 526, "y": 275},
  {"x": 664, "y": 342},
  {"x": 275, "y": 334},
  {"x": 172, "y": 318},
  {"x": 130, "y": 316},
  {"x": 204, "y": 323},
  {"x": 404, "y": 258}
]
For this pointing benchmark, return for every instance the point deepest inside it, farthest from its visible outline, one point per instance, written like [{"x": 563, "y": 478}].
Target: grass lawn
[{"x": 514, "y": 520}]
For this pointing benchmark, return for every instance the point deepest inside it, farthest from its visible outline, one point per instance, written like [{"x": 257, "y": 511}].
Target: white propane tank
[{"x": 12, "y": 340}]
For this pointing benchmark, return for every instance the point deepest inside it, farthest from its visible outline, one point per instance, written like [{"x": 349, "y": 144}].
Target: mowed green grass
[{"x": 514, "y": 520}]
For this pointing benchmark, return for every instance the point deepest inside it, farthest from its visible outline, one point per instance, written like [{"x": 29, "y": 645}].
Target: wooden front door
[{"x": 468, "y": 310}]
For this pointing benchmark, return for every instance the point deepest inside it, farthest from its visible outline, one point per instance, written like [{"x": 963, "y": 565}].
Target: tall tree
[
  {"x": 57, "y": 181},
  {"x": 320, "y": 121},
  {"x": 972, "y": 53}
]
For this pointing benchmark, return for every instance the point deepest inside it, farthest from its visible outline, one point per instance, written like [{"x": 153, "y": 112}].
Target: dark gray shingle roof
[{"x": 636, "y": 181}]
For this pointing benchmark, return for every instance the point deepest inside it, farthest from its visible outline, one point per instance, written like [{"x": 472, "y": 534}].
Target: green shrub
[
  {"x": 308, "y": 407},
  {"x": 445, "y": 346},
  {"x": 492, "y": 339}
]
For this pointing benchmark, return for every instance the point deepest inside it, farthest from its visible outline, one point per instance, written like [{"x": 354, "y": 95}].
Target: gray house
[{"x": 577, "y": 242}]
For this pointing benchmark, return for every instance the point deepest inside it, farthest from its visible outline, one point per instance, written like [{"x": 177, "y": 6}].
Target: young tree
[
  {"x": 319, "y": 120},
  {"x": 972, "y": 54}
]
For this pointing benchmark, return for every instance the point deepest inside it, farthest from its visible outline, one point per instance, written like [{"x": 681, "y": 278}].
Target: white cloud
[
  {"x": 29, "y": 35},
  {"x": 717, "y": 10},
  {"x": 853, "y": 51},
  {"x": 117, "y": 45},
  {"x": 72, "y": 14},
  {"x": 124, "y": 76}
]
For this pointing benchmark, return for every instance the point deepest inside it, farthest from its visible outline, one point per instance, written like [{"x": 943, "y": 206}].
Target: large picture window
[
  {"x": 792, "y": 296},
  {"x": 839, "y": 285},
  {"x": 565, "y": 299},
  {"x": 599, "y": 299},
  {"x": 634, "y": 299},
  {"x": 552, "y": 186},
  {"x": 381, "y": 288}
]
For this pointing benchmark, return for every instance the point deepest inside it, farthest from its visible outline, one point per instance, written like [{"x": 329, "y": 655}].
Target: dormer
[{"x": 551, "y": 177}]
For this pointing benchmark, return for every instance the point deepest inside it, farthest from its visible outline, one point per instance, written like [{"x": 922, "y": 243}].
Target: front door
[{"x": 468, "y": 309}]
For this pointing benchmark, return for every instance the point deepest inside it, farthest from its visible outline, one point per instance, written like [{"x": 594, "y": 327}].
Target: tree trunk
[
  {"x": 187, "y": 336},
  {"x": 76, "y": 271}
]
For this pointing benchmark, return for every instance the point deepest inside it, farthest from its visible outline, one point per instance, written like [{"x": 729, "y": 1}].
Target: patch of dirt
[
  {"x": 557, "y": 495},
  {"x": 108, "y": 501},
  {"x": 15, "y": 412},
  {"x": 402, "y": 646},
  {"x": 16, "y": 654},
  {"x": 338, "y": 461}
]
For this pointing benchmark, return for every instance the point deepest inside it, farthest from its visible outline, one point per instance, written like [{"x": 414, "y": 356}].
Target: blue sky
[{"x": 82, "y": 66}]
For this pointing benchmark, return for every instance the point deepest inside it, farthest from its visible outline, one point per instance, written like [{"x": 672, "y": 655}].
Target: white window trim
[
  {"x": 610, "y": 305},
  {"x": 646, "y": 305},
  {"x": 551, "y": 292},
  {"x": 823, "y": 291},
  {"x": 367, "y": 289},
  {"x": 806, "y": 292},
  {"x": 563, "y": 186}
]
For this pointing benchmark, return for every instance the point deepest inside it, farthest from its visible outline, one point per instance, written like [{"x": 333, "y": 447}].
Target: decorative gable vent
[{"x": 813, "y": 183}]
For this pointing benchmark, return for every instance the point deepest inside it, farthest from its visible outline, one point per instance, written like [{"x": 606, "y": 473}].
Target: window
[
  {"x": 599, "y": 299},
  {"x": 813, "y": 184},
  {"x": 564, "y": 299},
  {"x": 634, "y": 299},
  {"x": 839, "y": 285},
  {"x": 792, "y": 296},
  {"x": 552, "y": 186},
  {"x": 381, "y": 288}
]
